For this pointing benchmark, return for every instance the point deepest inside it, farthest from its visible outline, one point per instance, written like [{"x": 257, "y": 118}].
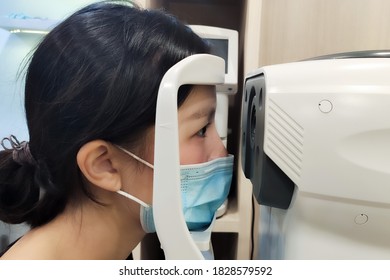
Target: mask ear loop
[
  {"x": 125, "y": 194},
  {"x": 135, "y": 157},
  {"x": 129, "y": 196}
]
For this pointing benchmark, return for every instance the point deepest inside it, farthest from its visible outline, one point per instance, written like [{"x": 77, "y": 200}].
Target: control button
[
  {"x": 325, "y": 106},
  {"x": 361, "y": 219}
]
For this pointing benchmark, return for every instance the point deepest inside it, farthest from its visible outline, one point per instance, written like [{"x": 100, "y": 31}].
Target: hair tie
[{"x": 20, "y": 150}]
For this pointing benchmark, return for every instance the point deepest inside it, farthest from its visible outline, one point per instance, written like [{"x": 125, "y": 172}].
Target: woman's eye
[{"x": 202, "y": 132}]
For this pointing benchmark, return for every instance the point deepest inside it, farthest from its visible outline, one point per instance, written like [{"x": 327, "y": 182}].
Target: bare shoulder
[{"x": 32, "y": 246}]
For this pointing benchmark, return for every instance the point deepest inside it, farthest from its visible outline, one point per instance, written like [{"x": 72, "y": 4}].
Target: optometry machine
[{"x": 316, "y": 147}]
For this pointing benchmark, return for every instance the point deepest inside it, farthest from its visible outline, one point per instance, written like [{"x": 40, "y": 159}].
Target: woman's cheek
[{"x": 191, "y": 153}]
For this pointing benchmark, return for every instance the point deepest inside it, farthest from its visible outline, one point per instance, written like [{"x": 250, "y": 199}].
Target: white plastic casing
[{"x": 231, "y": 76}]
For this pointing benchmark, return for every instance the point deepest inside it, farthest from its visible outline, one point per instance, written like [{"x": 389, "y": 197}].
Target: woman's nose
[{"x": 218, "y": 148}]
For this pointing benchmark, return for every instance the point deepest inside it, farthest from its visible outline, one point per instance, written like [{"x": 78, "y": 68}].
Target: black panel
[{"x": 271, "y": 186}]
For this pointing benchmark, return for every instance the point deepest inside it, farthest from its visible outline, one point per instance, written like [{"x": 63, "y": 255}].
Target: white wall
[
  {"x": 13, "y": 49},
  {"x": 57, "y": 9},
  {"x": 301, "y": 29}
]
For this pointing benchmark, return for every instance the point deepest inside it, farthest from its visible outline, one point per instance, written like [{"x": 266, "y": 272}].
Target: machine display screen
[{"x": 220, "y": 47}]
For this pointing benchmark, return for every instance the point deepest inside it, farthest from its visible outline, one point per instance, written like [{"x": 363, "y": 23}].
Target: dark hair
[{"x": 94, "y": 76}]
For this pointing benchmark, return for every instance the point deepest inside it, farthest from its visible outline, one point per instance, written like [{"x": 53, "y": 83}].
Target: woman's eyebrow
[{"x": 202, "y": 113}]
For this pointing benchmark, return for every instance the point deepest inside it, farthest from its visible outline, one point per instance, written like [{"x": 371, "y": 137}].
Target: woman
[{"x": 90, "y": 100}]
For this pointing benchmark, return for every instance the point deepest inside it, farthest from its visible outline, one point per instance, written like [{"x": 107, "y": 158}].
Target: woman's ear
[{"x": 97, "y": 163}]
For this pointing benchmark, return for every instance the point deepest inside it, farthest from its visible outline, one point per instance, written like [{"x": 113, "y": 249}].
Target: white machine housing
[
  {"x": 316, "y": 147},
  {"x": 224, "y": 43}
]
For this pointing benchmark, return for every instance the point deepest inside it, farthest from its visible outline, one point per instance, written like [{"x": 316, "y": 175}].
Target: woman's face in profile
[{"x": 198, "y": 137}]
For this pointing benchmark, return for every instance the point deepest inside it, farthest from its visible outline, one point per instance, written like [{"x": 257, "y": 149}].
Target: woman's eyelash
[{"x": 202, "y": 132}]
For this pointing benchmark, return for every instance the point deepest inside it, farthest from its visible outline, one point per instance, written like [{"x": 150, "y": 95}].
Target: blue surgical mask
[{"x": 204, "y": 187}]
